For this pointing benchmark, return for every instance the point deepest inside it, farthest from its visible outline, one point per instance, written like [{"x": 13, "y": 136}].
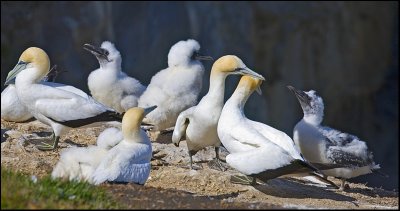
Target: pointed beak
[
  {"x": 21, "y": 65},
  {"x": 199, "y": 56},
  {"x": 100, "y": 53},
  {"x": 258, "y": 90},
  {"x": 247, "y": 71},
  {"x": 301, "y": 96},
  {"x": 149, "y": 109}
]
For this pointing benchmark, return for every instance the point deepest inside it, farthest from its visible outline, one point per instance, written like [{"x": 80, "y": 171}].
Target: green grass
[{"x": 19, "y": 191}]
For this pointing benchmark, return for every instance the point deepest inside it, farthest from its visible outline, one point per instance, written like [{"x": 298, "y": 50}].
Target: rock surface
[
  {"x": 346, "y": 51},
  {"x": 172, "y": 185}
]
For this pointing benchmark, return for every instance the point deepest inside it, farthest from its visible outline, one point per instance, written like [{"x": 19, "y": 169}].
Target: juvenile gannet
[
  {"x": 11, "y": 107},
  {"x": 326, "y": 145},
  {"x": 256, "y": 149},
  {"x": 79, "y": 163},
  {"x": 59, "y": 106},
  {"x": 175, "y": 88},
  {"x": 129, "y": 160},
  {"x": 108, "y": 84},
  {"x": 198, "y": 124}
]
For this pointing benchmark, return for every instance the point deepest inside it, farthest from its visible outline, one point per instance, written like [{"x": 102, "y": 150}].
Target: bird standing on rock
[{"x": 198, "y": 124}]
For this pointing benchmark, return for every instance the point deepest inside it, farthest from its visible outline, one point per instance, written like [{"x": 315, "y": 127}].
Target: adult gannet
[
  {"x": 199, "y": 123},
  {"x": 11, "y": 107},
  {"x": 79, "y": 163},
  {"x": 256, "y": 149},
  {"x": 59, "y": 106},
  {"x": 108, "y": 84},
  {"x": 326, "y": 145},
  {"x": 175, "y": 88},
  {"x": 129, "y": 160}
]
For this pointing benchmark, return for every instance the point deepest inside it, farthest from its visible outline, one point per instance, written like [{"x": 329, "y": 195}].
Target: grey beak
[
  {"x": 247, "y": 71},
  {"x": 98, "y": 52},
  {"x": 303, "y": 98},
  {"x": 198, "y": 56},
  {"x": 149, "y": 109},
  {"x": 21, "y": 65}
]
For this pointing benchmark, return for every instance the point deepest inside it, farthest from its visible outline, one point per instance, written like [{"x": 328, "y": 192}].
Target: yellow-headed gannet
[
  {"x": 198, "y": 124},
  {"x": 59, "y": 106},
  {"x": 256, "y": 149},
  {"x": 79, "y": 163},
  {"x": 326, "y": 145},
  {"x": 129, "y": 160},
  {"x": 108, "y": 84},
  {"x": 11, "y": 107},
  {"x": 175, "y": 88}
]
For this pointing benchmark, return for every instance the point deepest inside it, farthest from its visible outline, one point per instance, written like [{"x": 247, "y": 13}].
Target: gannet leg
[
  {"x": 191, "y": 166},
  {"x": 46, "y": 147},
  {"x": 243, "y": 180},
  {"x": 216, "y": 163}
]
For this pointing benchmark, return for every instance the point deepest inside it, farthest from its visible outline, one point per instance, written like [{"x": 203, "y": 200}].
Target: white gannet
[
  {"x": 59, "y": 106},
  {"x": 256, "y": 149},
  {"x": 79, "y": 163},
  {"x": 198, "y": 124},
  {"x": 11, "y": 107},
  {"x": 326, "y": 145},
  {"x": 108, "y": 84},
  {"x": 175, "y": 88},
  {"x": 129, "y": 160}
]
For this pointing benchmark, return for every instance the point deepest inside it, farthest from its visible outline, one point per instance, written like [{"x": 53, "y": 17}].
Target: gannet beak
[
  {"x": 21, "y": 65},
  {"x": 247, "y": 71},
  {"x": 98, "y": 52},
  {"x": 303, "y": 98},
  {"x": 199, "y": 56},
  {"x": 149, "y": 109},
  {"x": 258, "y": 90}
]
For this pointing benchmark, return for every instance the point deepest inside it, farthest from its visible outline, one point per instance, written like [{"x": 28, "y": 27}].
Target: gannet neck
[
  {"x": 217, "y": 86},
  {"x": 131, "y": 125},
  {"x": 313, "y": 119},
  {"x": 245, "y": 88}
]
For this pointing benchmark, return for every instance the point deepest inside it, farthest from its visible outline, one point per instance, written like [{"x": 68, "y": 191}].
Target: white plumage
[
  {"x": 108, "y": 84},
  {"x": 79, "y": 163},
  {"x": 129, "y": 160},
  {"x": 11, "y": 107},
  {"x": 175, "y": 88},
  {"x": 326, "y": 145},
  {"x": 59, "y": 106},
  {"x": 198, "y": 124},
  {"x": 256, "y": 149}
]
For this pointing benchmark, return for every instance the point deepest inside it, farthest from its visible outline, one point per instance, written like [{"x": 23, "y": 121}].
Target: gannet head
[
  {"x": 31, "y": 57},
  {"x": 231, "y": 64},
  {"x": 312, "y": 105},
  {"x": 107, "y": 54},
  {"x": 132, "y": 119},
  {"x": 249, "y": 84},
  {"x": 185, "y": 53}
]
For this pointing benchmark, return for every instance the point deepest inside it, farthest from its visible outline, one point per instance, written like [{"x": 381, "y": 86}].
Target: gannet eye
[
  {"x": 194, "y": 55},
  {"x": 22, "y": 62}
]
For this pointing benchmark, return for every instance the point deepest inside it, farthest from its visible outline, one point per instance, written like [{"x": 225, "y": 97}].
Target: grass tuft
[{"x": 19, "y": 191}]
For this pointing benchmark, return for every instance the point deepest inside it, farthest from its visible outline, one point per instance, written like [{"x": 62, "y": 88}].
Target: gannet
[
  {"x": 175, "y": 88},
  {"x": 326, "y": 145},
  {"x": 199, "y": 123},
  {"x": 79, "y": 163},
  {"x": 11, "y": 107},
  {"x": 256, "y": 149},
  {"x": 59, "y": 106},
  {"x": 129, "y": 160},
  {"x": 108, "y": 84}
]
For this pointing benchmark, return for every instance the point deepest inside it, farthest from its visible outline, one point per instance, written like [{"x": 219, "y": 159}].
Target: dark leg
[
  {"x": 194, "y": 167},
  {"x": 343, "y": 184},
  {"x": 46, "y": 147},
  {"x": 243, "y": 180},
  {"x": 216, "y": 163}
]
